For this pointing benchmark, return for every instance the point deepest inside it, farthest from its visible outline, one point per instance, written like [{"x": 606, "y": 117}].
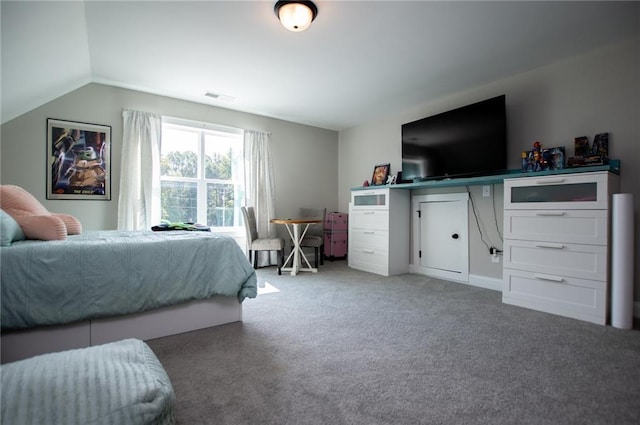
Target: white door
[{"x": 441, "y": 236}]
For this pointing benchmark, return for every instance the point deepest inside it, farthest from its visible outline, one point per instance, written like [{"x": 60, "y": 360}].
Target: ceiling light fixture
[{"x": 296, "y": 15}]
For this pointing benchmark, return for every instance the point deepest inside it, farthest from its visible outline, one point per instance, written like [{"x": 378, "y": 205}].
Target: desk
[{"x": 296, "y": 256}]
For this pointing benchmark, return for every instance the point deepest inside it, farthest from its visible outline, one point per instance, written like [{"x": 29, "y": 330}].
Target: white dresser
[
  {"x": 556, "y": 243},
  {"x": 379, "y": 231}
]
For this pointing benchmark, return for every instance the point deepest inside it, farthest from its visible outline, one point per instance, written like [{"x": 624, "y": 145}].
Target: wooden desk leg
[
  {"x": 302, "y": 256},
  {"x": 296, "y": 250},
  {"x": 296, "y": 256},
  {"x": 291, "y": 256}
]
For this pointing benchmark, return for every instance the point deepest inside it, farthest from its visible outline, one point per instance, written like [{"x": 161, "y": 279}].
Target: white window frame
[{"x": 203, "y": 128}]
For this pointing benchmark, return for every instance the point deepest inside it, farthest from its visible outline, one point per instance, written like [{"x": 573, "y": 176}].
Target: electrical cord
[
  {"x": 475, "y": 215},
  {"x": 495, "y": 216}
]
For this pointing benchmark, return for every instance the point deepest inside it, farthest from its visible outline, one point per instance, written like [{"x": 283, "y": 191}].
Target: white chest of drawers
[
  {"x": 379, "y": 231},
  {"x": 556, "y": 244}
]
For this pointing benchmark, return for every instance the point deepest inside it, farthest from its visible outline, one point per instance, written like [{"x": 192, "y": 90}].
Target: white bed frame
[{"x": 165, "y": 321}]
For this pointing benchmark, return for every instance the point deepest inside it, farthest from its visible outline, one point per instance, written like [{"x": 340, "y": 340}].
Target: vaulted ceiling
[{"x": 359, "y": 59}]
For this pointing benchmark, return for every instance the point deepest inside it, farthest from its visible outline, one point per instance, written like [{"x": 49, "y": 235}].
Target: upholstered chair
[{"x": 256, "y": 244}]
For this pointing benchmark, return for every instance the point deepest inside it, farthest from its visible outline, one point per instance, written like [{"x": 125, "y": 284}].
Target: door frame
[{"x": 415, "y": 266}]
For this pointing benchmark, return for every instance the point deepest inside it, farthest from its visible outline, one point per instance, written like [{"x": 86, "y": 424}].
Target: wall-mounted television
[{"x": 465, "y": 142}]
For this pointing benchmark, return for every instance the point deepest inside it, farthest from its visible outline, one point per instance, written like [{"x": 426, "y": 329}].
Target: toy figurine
[{"x": 538, "y": 159}]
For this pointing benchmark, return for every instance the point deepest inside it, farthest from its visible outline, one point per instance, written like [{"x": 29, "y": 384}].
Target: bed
[{"x": 103, "y": 286}]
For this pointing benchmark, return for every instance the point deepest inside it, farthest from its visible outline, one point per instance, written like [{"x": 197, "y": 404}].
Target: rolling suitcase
[{"x": 335, "y": 235}]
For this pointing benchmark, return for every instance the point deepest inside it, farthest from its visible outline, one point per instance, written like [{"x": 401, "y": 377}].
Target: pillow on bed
[
  {"x": 34, "y": 219},
  {"x": 42, "y": 227},
  {"x": 71, "y": 223},
  {"x": 10, "y": 230}
]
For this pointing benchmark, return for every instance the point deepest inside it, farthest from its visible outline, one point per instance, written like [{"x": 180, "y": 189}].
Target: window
[{"x": 201, "y": 174}]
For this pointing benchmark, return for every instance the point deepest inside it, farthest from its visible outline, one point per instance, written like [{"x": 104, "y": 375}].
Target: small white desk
[{"x": 296, "y": 256}]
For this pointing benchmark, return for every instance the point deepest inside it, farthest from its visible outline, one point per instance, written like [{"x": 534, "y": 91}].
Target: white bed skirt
[{"x": 165, "y": 321}]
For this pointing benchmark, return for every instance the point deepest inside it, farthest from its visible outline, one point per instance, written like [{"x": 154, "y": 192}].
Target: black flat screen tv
[{"x": 469, "y": 141}]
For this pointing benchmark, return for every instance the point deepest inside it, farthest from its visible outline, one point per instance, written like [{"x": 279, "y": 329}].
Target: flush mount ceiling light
[{"x": 296, "y": 15}]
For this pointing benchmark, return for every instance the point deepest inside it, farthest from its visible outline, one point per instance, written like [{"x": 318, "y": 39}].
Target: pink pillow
[
  {"x": 73, "y": 225},
  {"x": 42, "y": 227},
  {"x": 34, "y": 219}
]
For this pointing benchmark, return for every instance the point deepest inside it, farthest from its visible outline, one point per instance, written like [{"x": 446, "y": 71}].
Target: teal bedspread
[
  {"x": 110, "y": 273},
  {"x": 117, "y": 383}
]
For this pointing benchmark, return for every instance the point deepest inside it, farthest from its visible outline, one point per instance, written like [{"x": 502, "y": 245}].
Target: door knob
[{"x": 455, "y": 236}]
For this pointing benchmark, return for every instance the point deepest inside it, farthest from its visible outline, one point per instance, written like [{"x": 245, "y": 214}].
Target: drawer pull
[
  {"x": 551, "y": 278},
  {"x": 369, "y": 212},
  {"x": 550, "y": 181},
  {"x": 550, "y": 245},
  {"x": 550, "y": 214},
  {"x": 369, "y": 233},
  {"x": 368, "y": 251}
]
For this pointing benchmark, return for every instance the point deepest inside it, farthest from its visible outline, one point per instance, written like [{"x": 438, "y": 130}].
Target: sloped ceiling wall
[
  {"x": 358, "y": 61},
  {"x": 45, "y": 53}
]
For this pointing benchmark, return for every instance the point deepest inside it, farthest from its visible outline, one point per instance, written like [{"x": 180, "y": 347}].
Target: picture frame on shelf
[
  {"x": 78, "y": 160},
  {"x": 600, "y": 146},
  {"x": 581, "y": 146},
  {"x": 380, "y": 174}
]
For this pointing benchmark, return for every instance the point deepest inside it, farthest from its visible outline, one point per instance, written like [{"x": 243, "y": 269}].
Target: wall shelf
[{"x": 613, "y": 166}]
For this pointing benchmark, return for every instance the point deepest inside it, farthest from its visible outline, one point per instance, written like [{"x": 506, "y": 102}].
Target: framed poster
[
  {"x": 380, "y": 174},
  {"x": 78, "y": 160}
]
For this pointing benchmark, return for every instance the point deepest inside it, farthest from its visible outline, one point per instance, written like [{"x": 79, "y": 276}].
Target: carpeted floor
[{"x": 348, "y": 347}]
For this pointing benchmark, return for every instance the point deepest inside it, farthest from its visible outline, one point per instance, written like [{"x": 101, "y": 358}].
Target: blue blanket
[{"x": 110, "y": 273}]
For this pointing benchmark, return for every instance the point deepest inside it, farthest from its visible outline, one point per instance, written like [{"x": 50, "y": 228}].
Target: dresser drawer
[
  {"x": 576, "y": 226},
  {"x": 576, "y": 191},
  {"x": 376, "y": 239},
  {"x": 370, "y": 260},
  {"x": 373, "y": 247},
  {"x": 369, "y": 219},
  {"x": 370, "y": 199},
  {"x": 563, "y": 259},
  {"x": 566, "y": 296}
]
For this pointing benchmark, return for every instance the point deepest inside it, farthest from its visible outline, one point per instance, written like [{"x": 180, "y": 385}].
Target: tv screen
[{"x": 465, "y": 142}]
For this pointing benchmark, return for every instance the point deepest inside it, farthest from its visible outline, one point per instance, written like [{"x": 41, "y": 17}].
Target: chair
[
  {"x": 256, "y": 244},
  {"x": 314, "y": 238}
]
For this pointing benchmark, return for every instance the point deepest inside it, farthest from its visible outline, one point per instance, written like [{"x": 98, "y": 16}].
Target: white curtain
[
  {"x": 139, "y": 199},
  {"x": 260, "y": 186}
]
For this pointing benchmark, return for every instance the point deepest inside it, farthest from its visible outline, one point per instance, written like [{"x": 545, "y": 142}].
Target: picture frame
[
  {"x": 78, "y": 160},
  {"x": 380, "y": 174},
  {"x": 581, "y": 146},
  {"x": 600, "y": 146}
]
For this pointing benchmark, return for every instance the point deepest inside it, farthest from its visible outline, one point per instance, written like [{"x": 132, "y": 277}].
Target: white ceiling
[{"x": 359, "y": 60}]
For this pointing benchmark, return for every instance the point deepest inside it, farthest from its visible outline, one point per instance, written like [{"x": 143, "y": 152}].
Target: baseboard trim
[
  {"x": 496, "y": 285},
  {"x": 460, "y": 277},
  {"x": 485, "y": 282}
]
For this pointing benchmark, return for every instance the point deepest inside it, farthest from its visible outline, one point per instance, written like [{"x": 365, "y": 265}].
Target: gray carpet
[{"x": 348, "y": 347}]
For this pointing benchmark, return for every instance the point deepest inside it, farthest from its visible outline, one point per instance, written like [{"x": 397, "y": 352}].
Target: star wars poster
[{"x": 78, "y": 158}]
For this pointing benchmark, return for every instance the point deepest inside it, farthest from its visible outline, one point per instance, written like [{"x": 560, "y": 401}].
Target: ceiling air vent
[{"x": 221, "y": 97}]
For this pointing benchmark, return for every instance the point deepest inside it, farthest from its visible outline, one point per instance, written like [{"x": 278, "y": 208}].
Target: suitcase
[
  {"x": 335, "y": 235},
  {"x": 336, "y": 222}
]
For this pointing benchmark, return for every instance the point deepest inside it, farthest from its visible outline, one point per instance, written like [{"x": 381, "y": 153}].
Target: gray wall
[
  {"x": 580, "y": 96},
  {"x": 304, "y": 157}
]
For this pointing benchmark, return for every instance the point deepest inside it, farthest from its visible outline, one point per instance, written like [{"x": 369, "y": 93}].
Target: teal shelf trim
[{"x": 613, "y": 166}]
